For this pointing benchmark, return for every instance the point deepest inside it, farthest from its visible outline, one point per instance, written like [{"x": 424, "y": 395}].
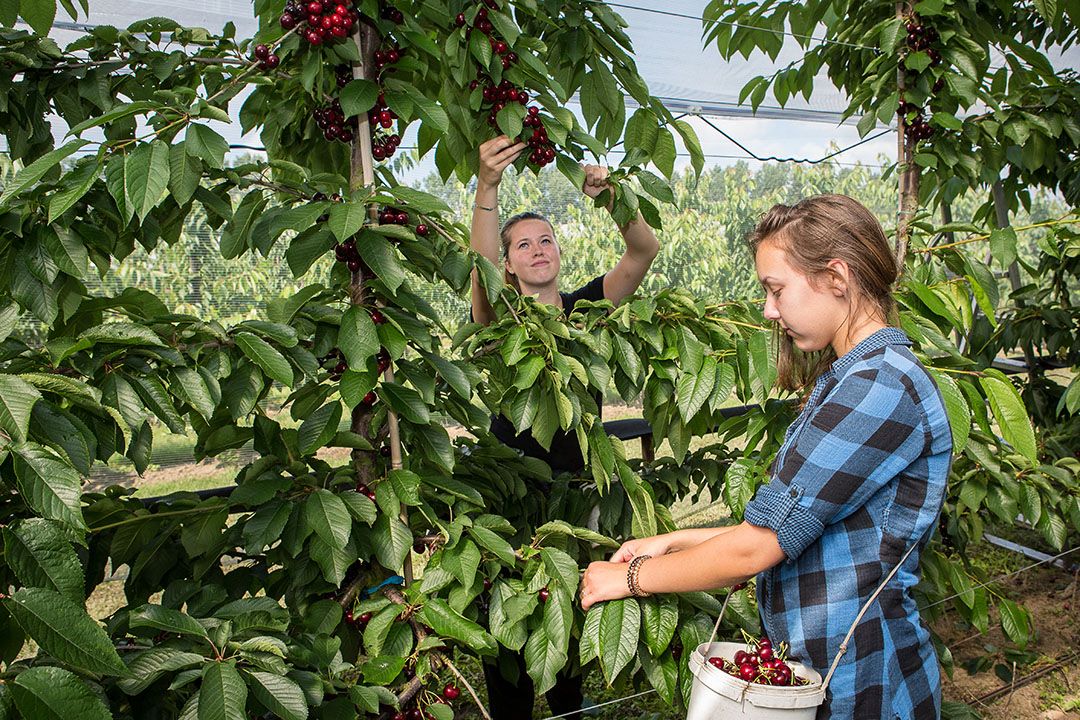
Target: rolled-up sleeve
[{"x": 865, "y": 432}]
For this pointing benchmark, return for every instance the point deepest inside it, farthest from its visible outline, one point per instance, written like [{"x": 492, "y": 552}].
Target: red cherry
[
  {"x": 398, "y": 716},
  {"x": 740, "y": 657},
  {"x": 288, "y": 22},
  {"x": 339, "y": 31},
  {"x": 487, "y": 583},
  {"x": 262, "y": 52},
  {"x": 460, "y": 20},
  {"x": 349, "y": 617},
  {"x": 422, "y": 230},
  {"x": 314, "y": 37},
  {"x": 747, "y": 671},
  {"x": 377, "y": 317},
  {"x": 450, "y": 692},
  {"x": 314, "y": 7},
  {"x": 543, "y": 594},
  {"x": 271, "y": 62},
  {"x": 354, "y": 265},
  {"x": 342, "y": 10},
  {"x": 717, "y": 662},
  {"x": 364, "y": 619},
  {"x": 370, "y": 398},
  {"x": 765, "y": 653}
]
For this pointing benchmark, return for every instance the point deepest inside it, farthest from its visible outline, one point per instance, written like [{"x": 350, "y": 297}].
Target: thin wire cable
[
  {"x": 790, "y": 159},
  {"x": 741, "y": 25},
  {"x": 1002, "y": 577},
  {"x": 600, "y": 705}
]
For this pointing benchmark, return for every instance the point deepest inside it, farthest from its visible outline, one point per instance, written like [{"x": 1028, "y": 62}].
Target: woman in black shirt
[{"x": 530, "y": 256}]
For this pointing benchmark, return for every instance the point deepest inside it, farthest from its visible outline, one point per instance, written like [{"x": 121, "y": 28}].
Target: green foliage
[{"x": 312, "y": 622}]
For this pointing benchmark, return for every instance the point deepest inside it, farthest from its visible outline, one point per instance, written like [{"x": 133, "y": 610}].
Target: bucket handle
[{"x": 851, "y": 630}]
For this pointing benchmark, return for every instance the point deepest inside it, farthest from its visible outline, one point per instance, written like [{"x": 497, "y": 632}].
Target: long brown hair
[
  {"x": 504, "y": 235},
  {"x": 813, "y": 232}
]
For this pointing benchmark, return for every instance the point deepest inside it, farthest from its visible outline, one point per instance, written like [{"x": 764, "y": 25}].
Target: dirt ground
[{"x": 1051, "y": 596}]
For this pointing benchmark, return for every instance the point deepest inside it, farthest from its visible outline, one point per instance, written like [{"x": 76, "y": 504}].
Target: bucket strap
[
  {"x": 851, "y": 630},
  {"x": 865, "y": 607}
]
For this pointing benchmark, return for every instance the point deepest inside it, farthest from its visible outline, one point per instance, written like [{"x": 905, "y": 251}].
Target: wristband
[
  {"x": 632, "y": 576},
  {"x": 483, "y": 207}
]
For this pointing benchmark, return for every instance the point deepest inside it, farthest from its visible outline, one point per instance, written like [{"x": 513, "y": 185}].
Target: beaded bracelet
[{"x": 632, "y": 576}]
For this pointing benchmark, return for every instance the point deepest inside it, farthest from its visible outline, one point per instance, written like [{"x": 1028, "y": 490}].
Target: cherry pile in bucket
[{"x": 760, "y": 663}]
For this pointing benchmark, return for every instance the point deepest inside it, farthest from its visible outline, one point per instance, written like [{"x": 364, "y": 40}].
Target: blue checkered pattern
[{"x": 860, "y": 477}]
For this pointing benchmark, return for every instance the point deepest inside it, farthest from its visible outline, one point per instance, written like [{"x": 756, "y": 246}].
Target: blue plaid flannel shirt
[{"x": 860, "y": 477}]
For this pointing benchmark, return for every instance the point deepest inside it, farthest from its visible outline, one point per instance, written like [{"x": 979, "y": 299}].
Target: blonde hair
[
  {"x": 812, "y": 233},
  {"x": 504, "y": 235}
]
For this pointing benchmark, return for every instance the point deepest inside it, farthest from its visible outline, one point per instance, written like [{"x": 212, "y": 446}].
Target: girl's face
[
  {"x": 533, "y": 254},
  {"x": 810, "y": 312}
]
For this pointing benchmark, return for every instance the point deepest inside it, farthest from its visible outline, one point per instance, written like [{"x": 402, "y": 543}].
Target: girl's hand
[
  {"x": 595, "y": 180},
  {"x": 495, "y": 155},
  {"x": 655, "y": 546},
  {"x": 603, "y": 581}
]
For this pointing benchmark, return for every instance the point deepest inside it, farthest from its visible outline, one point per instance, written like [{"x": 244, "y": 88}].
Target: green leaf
[
  {"x": 433, "y": 115},
  {"x": 956, "y": 407},
  {"x": 327, "y": 515},
  {"x": 381, "y": 258},
  {"x": 420, "y": 201},
  {"x": 346, "y": 218},
  {"x": 48, "y": 485},
  {"x": 52, "y": 693},
  {"x": 39, "y": 554},
  {"x": 319, "y": 428},
  {"x": 122, "y": 333},
  {"x": 664, "y": 154},
  {"x": 619, "y": 629},
  {"x": 272, "y": 362},
  {"x": 496, "y": 545},
  {"x": 17, "y": 399},
  {"x": 222, "y": 694},
  {"x": 561, "y": 566},
  {"x": 74, "y": 186},
  {"x": 543, "y": 660},
  {"x": 203, "y": 142},
  {"x": 383, "y": 669},
  {"x": 450, "y": 624},
  {"x": 692, "y": 144},
  {"x": 1048, "y": 9},
  {"x": 391, "y": 540},
  {"x": 146, "y": 177},
  {"x": 358, "y": 97},
  {"x": 659, "y": 618},
  {"x": 358, "y": 337},
  {"x": 278, "y": 694},
  {"x": 64, "y": 630},
  {"x": 166, "y": 619},
  {"x": 1015, "y": 621},
  {"x": 692, "y": 390},
  {"x": 1010, "y": 414},
  {"x": 38, "y": 14},
  {"x": 407, "y": 402},
  {"x": 661, "y": 671},
  {"x": 146, "y": 667},
  {"x": 36, "y": 170}
]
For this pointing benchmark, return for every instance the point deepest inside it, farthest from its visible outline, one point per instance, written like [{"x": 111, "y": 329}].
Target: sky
[{"x": 671, "y": 57}]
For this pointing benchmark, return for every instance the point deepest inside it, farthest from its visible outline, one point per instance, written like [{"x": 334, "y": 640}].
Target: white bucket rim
[{"x": 771, "y": 696}]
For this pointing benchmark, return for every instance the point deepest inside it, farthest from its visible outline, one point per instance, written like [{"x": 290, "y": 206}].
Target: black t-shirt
[{"x": 565, "y": 453}]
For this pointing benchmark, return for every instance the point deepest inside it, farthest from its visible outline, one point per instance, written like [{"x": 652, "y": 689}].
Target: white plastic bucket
[{"x": 716, "y": 694}]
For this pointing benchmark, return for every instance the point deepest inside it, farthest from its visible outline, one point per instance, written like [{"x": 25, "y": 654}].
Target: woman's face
[
  {"x": 533, "y": 254},
  {"x": 810, "y": 313}
]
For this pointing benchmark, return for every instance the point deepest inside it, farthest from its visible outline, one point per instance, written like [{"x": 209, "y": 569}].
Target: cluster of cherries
[
  {"x": 392, "y": 14},
  {"x": 384, "y": 142},
  {"x": 449, "y": 693},
  {"x": 397, "y": 216},
  {"x": 331, "y": 120},
  {"x": 483, "y": 24},
  {"x": 267, "y": 60},
  {"x": 760, "y": 664},
  {"x": 497, "y": 97},
  {"x": 917, "y": 128},
  {"x": 326, "y": 22},
  {"x": 922, "y": 37},
  {"x": 334, "y": 361}
]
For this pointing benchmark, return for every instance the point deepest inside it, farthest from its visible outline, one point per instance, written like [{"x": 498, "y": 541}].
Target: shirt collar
[{"x": 869, "y": 344}]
